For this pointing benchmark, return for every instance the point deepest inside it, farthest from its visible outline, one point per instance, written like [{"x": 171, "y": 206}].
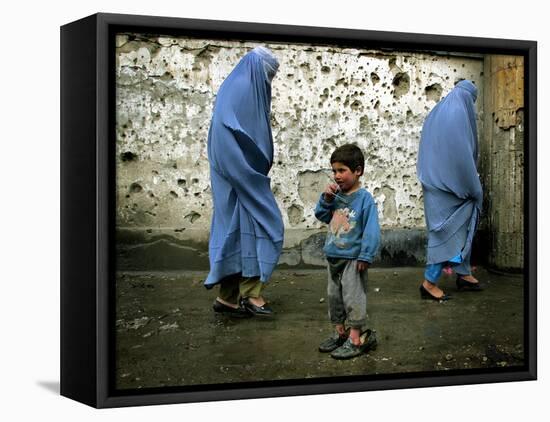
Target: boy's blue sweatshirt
[{"x": 353, "y": 231}]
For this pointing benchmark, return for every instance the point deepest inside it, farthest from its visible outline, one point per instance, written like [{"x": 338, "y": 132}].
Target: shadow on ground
[
  {"x": 52, "y": 386},
  {"x": 167, "y": 334}
]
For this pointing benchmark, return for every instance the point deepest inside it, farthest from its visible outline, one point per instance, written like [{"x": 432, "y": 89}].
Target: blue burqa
[
  {"x": 447, "y": 169},
  {"x": 247, "y": 230}
]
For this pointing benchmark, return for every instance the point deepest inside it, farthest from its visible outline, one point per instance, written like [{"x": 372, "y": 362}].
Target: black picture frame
[{"x": 88, "y": 198}]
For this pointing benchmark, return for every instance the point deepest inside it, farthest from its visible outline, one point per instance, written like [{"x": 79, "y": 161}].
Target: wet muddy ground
[{"x": 168, "y": 335}]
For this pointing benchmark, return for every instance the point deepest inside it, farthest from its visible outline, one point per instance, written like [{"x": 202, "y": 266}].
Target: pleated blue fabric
[{"x": 247, "y": 230}]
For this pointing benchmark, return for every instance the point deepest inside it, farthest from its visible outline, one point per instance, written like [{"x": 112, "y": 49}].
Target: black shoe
[
  {"x": 349, "y": 350},
  {"x": 263, "y": 311},
  {"x": 333, "y": 342},
  {"x": 239, "y": 312},
  {"x": 466, "y": 286},
  {"x": 425, "y": 294}
]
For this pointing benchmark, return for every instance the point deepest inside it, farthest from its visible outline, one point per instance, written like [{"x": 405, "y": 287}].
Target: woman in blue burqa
[
  {"x": 453, "y": 196},
  {"x": 246, "y": 235}
]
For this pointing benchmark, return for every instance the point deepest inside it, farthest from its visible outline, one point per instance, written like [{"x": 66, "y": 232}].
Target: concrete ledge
[{"x": 148, "y": 250}]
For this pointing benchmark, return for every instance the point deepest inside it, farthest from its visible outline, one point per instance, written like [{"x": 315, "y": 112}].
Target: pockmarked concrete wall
[{"x": 322, "y": 97}]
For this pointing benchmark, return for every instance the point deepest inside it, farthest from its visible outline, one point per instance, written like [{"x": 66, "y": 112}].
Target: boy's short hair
[{"x": 350, "y": 155}]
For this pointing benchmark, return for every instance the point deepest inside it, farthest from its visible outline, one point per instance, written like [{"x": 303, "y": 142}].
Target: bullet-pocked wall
[{"x": 322, "y": 97}]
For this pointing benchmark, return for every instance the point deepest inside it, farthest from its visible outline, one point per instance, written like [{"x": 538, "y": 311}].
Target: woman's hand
[{"x": 330, "y": 192}]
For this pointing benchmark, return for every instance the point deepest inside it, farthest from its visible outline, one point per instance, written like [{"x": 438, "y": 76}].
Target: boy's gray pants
[{"x": 347, "y": 293}]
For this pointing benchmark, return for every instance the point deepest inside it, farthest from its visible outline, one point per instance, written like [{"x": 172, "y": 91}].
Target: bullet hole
[
  {"x": 167, "y": 76},
  {"x": 295, "y": 214},
  {"x": 363, "y": 123},
  {"x": 401, "y": 83},
  {"x": 173, "y": 194},
  {"x": 135, "y": 188},
  {"x": 155, "y": 172},
  {"x": 181, "y": 182},
  {"x": 433, "y": 92},
  {"x": 356, "y": 105},
  {"x": 192, "y": 216},
  {"x": 128, "y": 156},
  {"x": 194, "y": 180},
  {"x": 376, "y": 105},
  {"x": 179, "y": 230},
  {"x": 325, "y": 69}
]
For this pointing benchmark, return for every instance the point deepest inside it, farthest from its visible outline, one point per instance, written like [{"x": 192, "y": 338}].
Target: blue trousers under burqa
[
  {"x": 447, "y": 170},
  {"x": 247, "y": 230}
]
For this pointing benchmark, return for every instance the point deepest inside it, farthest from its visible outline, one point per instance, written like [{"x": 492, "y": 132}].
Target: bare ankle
[
  {"x": 428, "y": 285},
  {"x": 469, "y": 277},
  {"x": 354, "y": 335},
  {"x": 258, "y": 301},
  {"x": 226, "y": 303},
  {"x": 340, "y": 329}
]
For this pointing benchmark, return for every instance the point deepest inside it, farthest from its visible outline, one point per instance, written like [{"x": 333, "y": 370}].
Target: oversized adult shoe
[
  {"x": 333, "y": 342},
  {"x": 349, "y": 350}
]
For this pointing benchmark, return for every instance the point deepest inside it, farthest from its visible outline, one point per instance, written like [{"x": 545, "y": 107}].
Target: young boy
[{"x": 352, "y": 241}]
